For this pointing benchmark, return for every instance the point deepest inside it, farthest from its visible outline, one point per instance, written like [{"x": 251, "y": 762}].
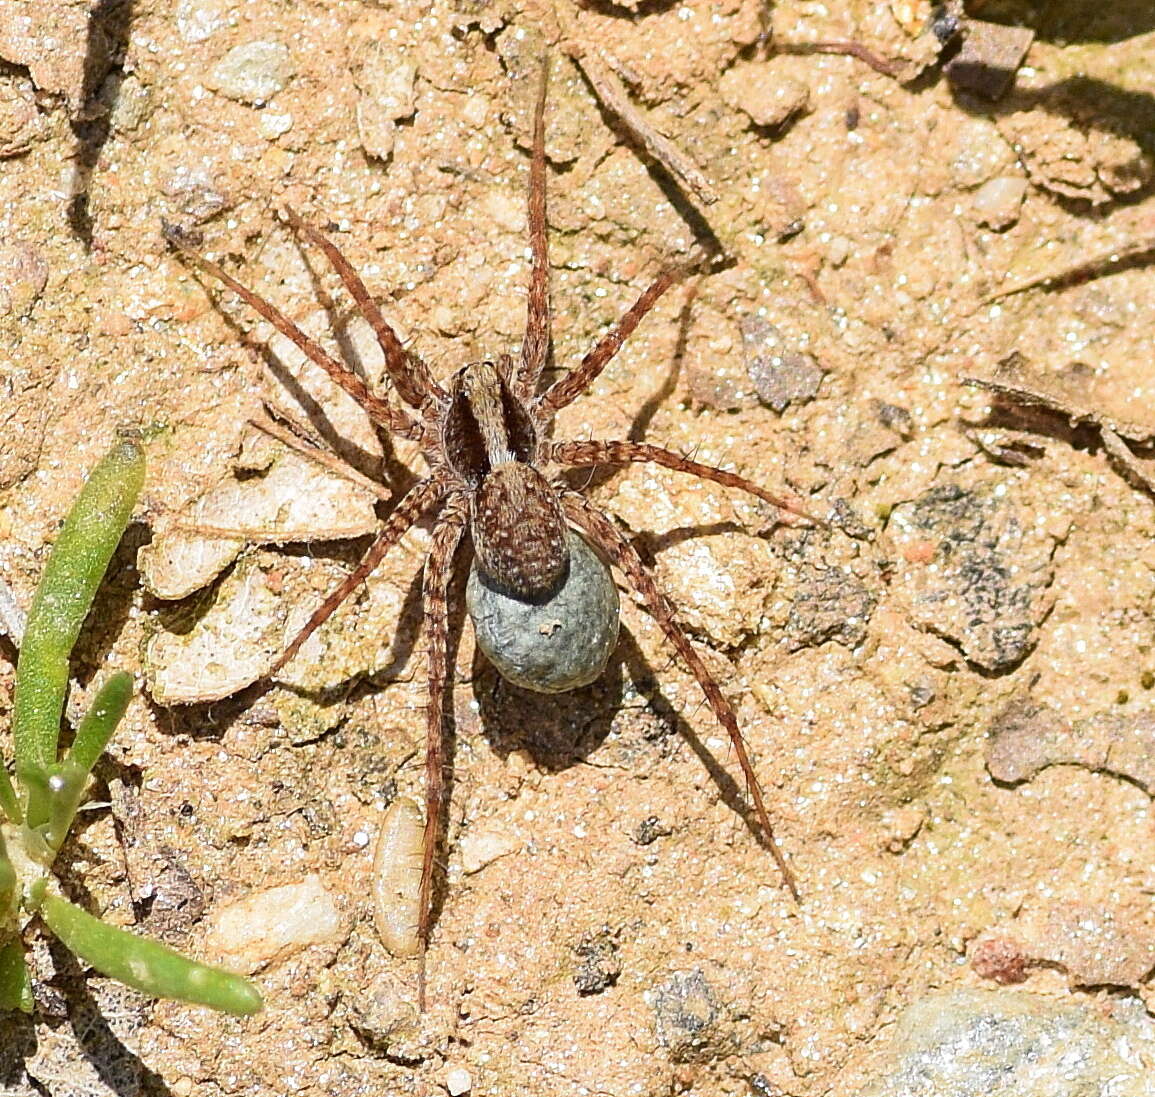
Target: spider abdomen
[
  {"x": 552, "y": 645},
  {"x": 519, "y": 533}
]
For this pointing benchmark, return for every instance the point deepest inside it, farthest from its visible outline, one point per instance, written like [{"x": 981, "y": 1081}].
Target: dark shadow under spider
[{"x": 494, "y": 474}]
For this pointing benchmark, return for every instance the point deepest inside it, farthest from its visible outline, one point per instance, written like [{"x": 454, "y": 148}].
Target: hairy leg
[
  {"x": 568, "y": 388},
  {"x": 623, "y": 453},
  {"x": 438, "y": 575},
  {"x": 420, "y": 498},
  {"x": 309, "y": 448},
  {"x": 379, "y": 408},
  {"x": 605, "y": 536},
  {"x": 535, "y": 349},
  {"x": 410, "y": 376}
]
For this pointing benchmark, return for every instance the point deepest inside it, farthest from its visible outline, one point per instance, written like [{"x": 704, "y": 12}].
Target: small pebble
[
  {"x": 781, "y": 375},
  {"x": 989, "y": 57},
  {"x": 690, "y": 1022},
  {"x": 199, "y": 20},
  {"x": 458, "y": 1081},
  {"x": 273, "y": 126},
  {"x": 194, "y": 191},
  {"x": 132, "y": 105},
  {"x": 1000, "y": 958},
  {"x": 386, "y": 83},
  {"x": 997, "y": 202},
  {"x": 253, "y": 72},
  {"x": 769, "y": 98},
  {"x": 23, "y": 276},
  {"x": 600, "y": 965},
  {"x": 485, "y": 843},
  {"x": 271, "y": 925}
]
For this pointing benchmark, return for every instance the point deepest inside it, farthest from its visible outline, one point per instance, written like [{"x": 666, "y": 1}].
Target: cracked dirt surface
[{"x": 610, "y": 925}]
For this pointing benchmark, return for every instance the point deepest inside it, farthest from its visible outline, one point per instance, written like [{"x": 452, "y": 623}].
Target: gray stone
[
  {"x": 691, "y": 1022},
  {"x": 977, "y": 571},
  {"x": 830, "y": 604},
  {"x": 253, "y": 72},
  {"x": 600, "y": 963},
  {"x": 978, "y": 1043},
  {"x": 781, "y": 375}
]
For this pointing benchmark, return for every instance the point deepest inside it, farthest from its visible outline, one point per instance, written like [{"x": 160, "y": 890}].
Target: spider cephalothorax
[
  {"x": 490, "y": 439},
  {"x": 493, "y": 473}
]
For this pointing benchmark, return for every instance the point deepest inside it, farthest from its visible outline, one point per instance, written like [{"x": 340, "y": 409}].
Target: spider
[{"x": 492, "y": 482}]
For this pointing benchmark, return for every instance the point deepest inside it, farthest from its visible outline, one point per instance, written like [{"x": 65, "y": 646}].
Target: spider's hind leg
[
  {"x": 438, "y": 576},
  {"x": 604, "y": 535}
]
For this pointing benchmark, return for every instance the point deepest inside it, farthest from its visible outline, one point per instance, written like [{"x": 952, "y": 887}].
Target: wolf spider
[{"x": 492, "y": 475}]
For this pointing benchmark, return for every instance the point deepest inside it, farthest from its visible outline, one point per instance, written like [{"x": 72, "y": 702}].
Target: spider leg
[
  {"x": 624, "y": 453},
  {"x": 447, "y": 534},
  {"x": 415, "y": 502},
  {"x": 410, "y": 376},
  {"x": 535, "y": 348},
  {"x": 568, "y": 388},
  {"x": 379, "y": 408},
  {"x": 605, "y": 536}
]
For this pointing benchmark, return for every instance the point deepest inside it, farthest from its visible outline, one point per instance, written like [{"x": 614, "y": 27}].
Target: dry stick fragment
[
  {"x": 849, "y": 49},
  {"x": 1133, "y": 469},
  {"x": 1097, "y": 266},
  {"x": 262, "y": 535},
  {"x": 1111, "y": 432},
  {"x": 612, "y": 95},
  {"x": 1076, "y": 413}
]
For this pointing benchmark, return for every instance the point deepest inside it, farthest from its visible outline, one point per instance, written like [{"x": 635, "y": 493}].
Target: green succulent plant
[{"x": 37, "y": 809}]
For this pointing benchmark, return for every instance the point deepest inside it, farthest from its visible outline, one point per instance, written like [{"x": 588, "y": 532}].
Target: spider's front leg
[{"x": 379, "y": 408}]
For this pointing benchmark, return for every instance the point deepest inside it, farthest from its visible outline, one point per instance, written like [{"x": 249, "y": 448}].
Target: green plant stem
[
  {"x": 15, "y": 983},
  {"x": 9, "y": 804},
  {"x": 100, "y": 721},
  {"x": 146, "y": 965},
  {"x": 74, "y": 570},
  {"x": 8, "y": 886},
  {"x": 66, "y": 781}
]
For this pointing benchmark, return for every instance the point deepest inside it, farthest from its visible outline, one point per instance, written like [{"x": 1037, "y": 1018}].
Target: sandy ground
[{"x": 610, "y": 924}]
